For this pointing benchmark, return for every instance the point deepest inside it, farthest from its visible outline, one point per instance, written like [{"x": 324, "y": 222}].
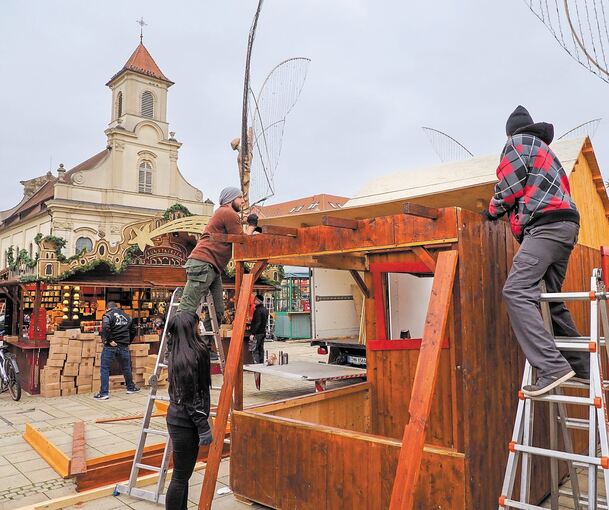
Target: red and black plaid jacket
[{"x": 533, "y": 186}]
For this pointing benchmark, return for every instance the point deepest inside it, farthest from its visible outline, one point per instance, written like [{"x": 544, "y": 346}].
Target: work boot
[{"x": 547, "y": 383}]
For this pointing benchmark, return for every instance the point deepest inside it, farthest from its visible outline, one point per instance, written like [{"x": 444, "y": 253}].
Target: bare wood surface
[
  {"x": 346, "y": 261},
  {"x": 420, "y": 210},
  {"x": 79, "y": 463},
  {"x": 333, "y": 221},
  {"x": 409, "y": 464},
  {"x": 425, "y": 257},
  {"x": 279, "y": 231},
  {"x": 58, "y": 460},
  {"x": 361, "y": 284},
  {"x": 226, "y": 393},
  {"x": 128, "y": 418}
]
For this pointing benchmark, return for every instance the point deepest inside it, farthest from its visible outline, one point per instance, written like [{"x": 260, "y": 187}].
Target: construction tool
[
  {"x": 521, "y": 447},
  {"x": 156, "y": 495}
]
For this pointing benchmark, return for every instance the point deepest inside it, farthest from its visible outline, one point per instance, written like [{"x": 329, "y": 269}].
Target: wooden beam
[
  {"x": 360, "y": 283},
  {"x": 258, "y": 269},
  {"x": 58, "y": 460},
  {"x": 411, "y": 453},
  {"x": 345, "y": 262},
  {"x": 78, "y": 464},
  {"x": 235, "y": 351},
  {"x": 332, "y": 221},
  {"x": 425, "y": 257},
  {"x": 129, "y": 418},
  {"x": 420, "y": 210},
  {"x": 279, "y": 231}
]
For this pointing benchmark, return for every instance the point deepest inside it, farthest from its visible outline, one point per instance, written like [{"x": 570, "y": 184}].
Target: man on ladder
[
  {"x": 534, "y": 190},
  {"x": 209, "y": 258}
]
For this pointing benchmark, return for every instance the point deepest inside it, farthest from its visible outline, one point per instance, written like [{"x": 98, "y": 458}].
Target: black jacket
[
  {"x": 118, "y": 327},
  {"x": 259, "y": 320}
]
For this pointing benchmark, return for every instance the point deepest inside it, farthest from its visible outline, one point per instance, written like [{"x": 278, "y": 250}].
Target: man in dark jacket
[
  {"x": 118, "y": 331},
  {"x": 260, "y": 319},
  {"x": 533, "y": 189}
]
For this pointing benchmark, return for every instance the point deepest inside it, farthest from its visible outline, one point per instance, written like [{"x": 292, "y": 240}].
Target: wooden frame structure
[{"x": 429, "y": 428}]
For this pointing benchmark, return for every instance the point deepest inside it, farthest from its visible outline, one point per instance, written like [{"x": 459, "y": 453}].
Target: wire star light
[{"x": 580, "y": 27}]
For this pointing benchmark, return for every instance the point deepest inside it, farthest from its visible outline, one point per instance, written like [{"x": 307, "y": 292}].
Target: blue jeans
[{"x": 122, "y": 353}]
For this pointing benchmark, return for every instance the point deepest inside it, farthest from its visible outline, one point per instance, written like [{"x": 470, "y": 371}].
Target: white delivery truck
[
  {"x": 336, "y": 307},
  {"x": 336, "y": 304}
]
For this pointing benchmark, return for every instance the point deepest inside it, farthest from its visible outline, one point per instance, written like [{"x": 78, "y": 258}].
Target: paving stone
[
  {"x": 8, "y": 470},
  {"x": 23, "y": 501},
  {"x": 42, "y": 475},
  {"x": 15, "y": 481},
  {"x": 31, "y": 465},
  {"x": 18, "y": 457}
]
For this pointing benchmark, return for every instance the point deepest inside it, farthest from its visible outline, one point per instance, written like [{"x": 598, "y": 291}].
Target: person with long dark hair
[{"x": 188, "y": 413}]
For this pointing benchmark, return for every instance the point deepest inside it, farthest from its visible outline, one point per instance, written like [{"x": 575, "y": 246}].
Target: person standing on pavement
[
  {"x": 533, "y": 189},
  {"x": 118, "y": 331},
  {"x": 260, "y": 319}
]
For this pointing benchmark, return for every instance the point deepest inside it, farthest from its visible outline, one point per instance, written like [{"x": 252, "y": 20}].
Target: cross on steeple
[{"x": 142, "y": 24}]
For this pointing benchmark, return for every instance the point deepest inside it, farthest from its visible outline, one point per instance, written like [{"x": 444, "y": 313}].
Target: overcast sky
[{"x": 380, "y": 70}]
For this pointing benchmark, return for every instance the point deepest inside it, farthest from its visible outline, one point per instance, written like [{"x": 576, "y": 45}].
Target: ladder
[
  {"x": 129, "y": 488},
  {"x": 520, "y": 446}
]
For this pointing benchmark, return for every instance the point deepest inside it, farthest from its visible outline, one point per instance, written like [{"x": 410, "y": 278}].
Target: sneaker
[
  {"x": 99, "y": 396},
  {"x": 547, "y": 383},
  {"x": 135, "y": 389}
]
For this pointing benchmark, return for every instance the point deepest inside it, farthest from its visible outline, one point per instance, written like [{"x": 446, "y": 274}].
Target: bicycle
[{"x": 9, "y": 379}]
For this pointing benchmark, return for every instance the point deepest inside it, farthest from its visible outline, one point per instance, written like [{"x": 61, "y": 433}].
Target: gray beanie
[{"x": 227, "y": 195}]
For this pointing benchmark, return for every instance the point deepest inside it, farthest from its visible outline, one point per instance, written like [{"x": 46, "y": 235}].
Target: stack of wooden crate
[
  {"x": 149, "y": 365},
  {"x": 74, "y": 362}
]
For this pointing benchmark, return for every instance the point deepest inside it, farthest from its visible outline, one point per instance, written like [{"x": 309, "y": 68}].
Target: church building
[{"x": 134, "y": 178}]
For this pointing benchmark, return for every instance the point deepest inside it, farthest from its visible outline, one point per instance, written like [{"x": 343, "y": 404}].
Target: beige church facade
[{"x": 136, "y": 177}]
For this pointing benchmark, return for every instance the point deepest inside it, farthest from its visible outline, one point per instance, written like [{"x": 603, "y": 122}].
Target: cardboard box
[
  {"x": 58, "y": 349},
  {"x": 50, "y": 373},
  {"x": 68, "y": 391},
  {"x": 48, "y": 386},
  {"x": 49, "y": 393},
  {"x": 85, "y": 389},
  {"x": 87, "y": 337},
  {"x": 70, "y": 369},
  {"x": 73, "y": 333},
  {"x": 84, "y": 380},
  {"x": 67, "y": 379},
  {"x": 61, "y": 334},
  {"x": 53, "y": 362},
  {"x": 88, "y": 349}
]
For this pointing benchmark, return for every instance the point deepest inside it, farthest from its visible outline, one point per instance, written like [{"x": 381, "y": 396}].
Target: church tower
[{"x": 139, "y": 92}]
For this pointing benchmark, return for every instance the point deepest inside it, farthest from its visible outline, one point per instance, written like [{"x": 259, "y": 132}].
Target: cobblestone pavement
[{"x": 25, "y": 478}]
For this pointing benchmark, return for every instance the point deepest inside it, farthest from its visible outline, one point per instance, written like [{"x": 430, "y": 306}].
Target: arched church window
[
  {"x": 145, "y": 178},
  {"x": 147, "y": 105},
  {"x": 119, "y": 104},
  {"x": 83, "y": 243}
]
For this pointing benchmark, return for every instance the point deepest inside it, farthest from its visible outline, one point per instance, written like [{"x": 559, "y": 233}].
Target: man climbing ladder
[{"x": 534, "y": 190}]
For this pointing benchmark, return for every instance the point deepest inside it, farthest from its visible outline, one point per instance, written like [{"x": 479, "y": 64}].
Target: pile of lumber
[{"x": 74, "y": 362}]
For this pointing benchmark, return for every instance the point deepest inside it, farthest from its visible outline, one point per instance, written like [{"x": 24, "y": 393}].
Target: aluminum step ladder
[
  {"x": 521, "y": 449},
  {"x": 130, "y": 488}
]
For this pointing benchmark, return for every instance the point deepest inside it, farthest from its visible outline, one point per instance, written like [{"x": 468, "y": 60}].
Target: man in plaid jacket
[{"x": 533, "y": 190}]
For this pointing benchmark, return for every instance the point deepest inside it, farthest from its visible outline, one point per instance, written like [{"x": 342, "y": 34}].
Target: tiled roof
[
  {"x": 315, "y": 203},
  {"x": 142, "y": 62}
]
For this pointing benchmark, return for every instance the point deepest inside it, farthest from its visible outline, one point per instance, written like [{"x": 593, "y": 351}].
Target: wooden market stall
[{"x": 456, "y": 387}]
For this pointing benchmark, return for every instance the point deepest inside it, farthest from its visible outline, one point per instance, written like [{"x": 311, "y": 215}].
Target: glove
[
  {"x": 487, "y": 215},
  {"x": 252, "y": 220}
]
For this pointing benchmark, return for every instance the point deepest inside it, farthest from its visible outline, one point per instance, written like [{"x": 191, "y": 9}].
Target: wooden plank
[
  {"x": 409, "y": 464},
  {"x": 345, "y": 262},
  {"x": 333, "y": 221},
  {"x": 420, "y": 210},
  {"x": 279, "y": 231},
  {"x": 425, "y": 257},
  {"x": 58, "y": 460},
  {"x": 129, "y": 418},
  {"x": 79, "y": 463},
  {"x": 361, "y": 283},
  {"x": 226, "y": 393}
]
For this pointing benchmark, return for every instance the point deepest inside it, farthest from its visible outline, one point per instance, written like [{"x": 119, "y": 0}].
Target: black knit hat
[
  {"x": 519, "y": 118},
  {"x": 260, "y": 297}
]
